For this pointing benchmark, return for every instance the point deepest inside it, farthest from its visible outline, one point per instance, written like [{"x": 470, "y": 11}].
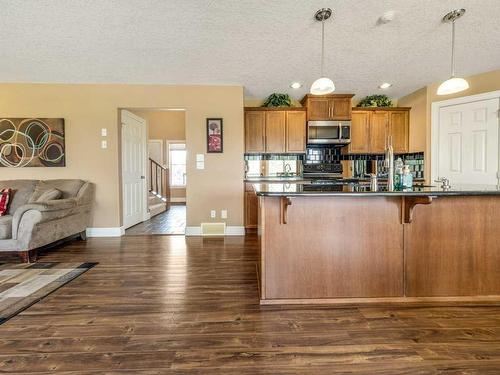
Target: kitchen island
[{"x": 343, "y": 243}]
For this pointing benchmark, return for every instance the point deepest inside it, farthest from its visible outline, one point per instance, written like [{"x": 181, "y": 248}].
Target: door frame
[
  {"x": 436, "y": 107},
  {"x": 144, "y": 157}
]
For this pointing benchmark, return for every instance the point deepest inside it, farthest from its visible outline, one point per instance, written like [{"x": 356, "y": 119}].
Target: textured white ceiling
[{"x": 262, "y": 45}]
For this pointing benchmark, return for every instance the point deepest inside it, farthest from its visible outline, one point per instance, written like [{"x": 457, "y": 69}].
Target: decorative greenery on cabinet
[
  {"x": 278, "y": 100},
  {"x": 376, "y": 101}
]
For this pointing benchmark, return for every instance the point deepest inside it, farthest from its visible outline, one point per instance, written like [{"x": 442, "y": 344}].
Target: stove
[{"x": 323, "y": 171}]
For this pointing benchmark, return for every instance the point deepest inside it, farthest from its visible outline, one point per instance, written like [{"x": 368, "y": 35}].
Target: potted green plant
[
  {"x": 278, "y": 100},
  {"x": 376, "y": 101}
]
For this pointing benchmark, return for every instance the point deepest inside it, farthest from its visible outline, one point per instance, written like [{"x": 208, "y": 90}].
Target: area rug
[{"x": 22, "y": 285}]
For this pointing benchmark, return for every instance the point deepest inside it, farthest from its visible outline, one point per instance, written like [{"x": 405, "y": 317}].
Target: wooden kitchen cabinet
[
  {"x": 399, "y": 129},
  {"x": 251, "y": 205},
  {"x": 255, "y": 132},
  {"x": 360, "y": 132},
  {"x": 371, "y": 127},
  {"x": 275, "y": 130},
  {"x": 328, "y": 107},
  {"x": 379, "y": 123},
  {"x": 296, "y": 131}
]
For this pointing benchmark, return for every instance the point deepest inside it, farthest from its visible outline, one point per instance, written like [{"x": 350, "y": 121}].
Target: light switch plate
[
  {"x": 200, "y": 157},
  {"x": 104, "y": 132},
  {"x": 200, "y": 165},
  {"x": 223, "y": 214},
  {"x": 104, "y": 144}
]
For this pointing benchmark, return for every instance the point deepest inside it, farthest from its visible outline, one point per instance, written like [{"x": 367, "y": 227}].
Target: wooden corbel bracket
[
  {"x": 410, "y": 202},
  {"x": 284, "y": 203}
]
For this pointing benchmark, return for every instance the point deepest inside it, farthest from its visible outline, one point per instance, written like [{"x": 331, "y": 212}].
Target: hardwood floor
[
  {"x": 172, "y": 221},
  {"x": 166, "y": 304}
]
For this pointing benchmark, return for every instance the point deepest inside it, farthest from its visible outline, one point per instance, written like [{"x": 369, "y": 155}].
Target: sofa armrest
[{"x": 47, "y": 211}]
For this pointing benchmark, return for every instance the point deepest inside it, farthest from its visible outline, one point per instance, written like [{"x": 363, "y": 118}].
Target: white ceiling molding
[{"x": 252, "y": 43}]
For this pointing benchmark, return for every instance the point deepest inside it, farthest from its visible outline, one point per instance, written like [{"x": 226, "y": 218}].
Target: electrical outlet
[
  {"x": 213, "y": 214},
  {"x": 104, "y": 144},
  {"x": 104, "y": 132},
  {"x": 223, "y": 214}
]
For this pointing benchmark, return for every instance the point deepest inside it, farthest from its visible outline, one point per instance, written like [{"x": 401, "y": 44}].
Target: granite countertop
[
  {"x": 353, "y": 189},
  {"x": 258, "y": 179}
]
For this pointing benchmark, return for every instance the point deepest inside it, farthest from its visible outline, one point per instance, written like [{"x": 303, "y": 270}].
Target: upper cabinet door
[
  {"x": 360, "y": 132},
  {"x": 378, "y": 131},
  {"x": 275, "y": 131},
  {"x": 318, "y": 109},
  {"x": 399, "y": 128},
  {"x": 296, "y": 131},
  {"x": 340, "y": 109},
  {"x": 255, "y": 132}
]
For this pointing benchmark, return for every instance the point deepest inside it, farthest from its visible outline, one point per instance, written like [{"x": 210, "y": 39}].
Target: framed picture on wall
[{"x": 214, "y": 135}]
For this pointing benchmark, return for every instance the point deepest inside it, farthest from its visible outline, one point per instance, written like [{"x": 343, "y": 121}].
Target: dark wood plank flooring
[
  {"x": 166, "y": 304},
  {"x": 172, "y": 221}
]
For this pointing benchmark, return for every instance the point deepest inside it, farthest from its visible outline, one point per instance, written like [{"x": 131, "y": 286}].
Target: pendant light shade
[
  {"x": 454, "y": 84},
  {"x": 323, "y": 85}
]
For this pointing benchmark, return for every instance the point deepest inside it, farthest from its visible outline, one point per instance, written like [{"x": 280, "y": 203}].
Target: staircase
[
  {"x": 156, "y": 204},
  {"x": 159, "y": 188}
]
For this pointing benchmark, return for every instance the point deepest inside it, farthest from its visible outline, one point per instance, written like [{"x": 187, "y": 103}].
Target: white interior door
[
  {"x": 133, "y": 168},
  {"x": 468, "y": 142}
]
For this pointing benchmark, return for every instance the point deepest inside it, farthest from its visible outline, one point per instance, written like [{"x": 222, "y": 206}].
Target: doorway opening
[{"x": 164, "y": 176}]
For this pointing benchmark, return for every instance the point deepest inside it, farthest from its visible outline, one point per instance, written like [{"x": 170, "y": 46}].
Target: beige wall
[
  {"x": 88, "y": 108},
  {"x": 418, "y": 118},
  {"x": 480, "y": 83},
  {"x": 166, "y": 126}
]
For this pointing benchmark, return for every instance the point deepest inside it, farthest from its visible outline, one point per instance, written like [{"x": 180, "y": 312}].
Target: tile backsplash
[{"x": 359, "y": 165}]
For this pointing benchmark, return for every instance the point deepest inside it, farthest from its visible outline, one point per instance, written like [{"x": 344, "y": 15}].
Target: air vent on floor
[{"x": 213, "y": 229}]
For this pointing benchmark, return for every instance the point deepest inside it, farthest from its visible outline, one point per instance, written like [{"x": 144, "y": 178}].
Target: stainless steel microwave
[{"x": 329, "y": 132}]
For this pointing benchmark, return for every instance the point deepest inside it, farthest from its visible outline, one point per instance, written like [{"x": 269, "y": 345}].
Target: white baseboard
[
  {"x": 230, "y": 231},
  {"x": 105, "y": 232},
  {"x": 178, "y": 200}
]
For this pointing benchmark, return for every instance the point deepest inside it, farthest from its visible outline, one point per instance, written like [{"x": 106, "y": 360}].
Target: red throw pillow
[{"x": 4, "y": 200}]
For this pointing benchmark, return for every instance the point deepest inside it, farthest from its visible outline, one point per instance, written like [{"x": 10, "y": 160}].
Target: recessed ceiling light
[
  {"x": 385, "y": 85},
  {"x": 296, "y": 85},
  {"x": 387, "y": 16}
]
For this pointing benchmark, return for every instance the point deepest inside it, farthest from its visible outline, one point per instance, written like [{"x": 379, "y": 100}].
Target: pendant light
[
  {"x": 323, "y": 85},
  {"x": 454, "y": 84}
]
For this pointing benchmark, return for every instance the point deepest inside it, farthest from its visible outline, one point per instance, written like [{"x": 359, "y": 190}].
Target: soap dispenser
[{"x": 407, "y": 178}]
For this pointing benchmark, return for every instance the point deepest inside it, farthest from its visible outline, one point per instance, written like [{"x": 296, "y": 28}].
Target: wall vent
[{"x": 213, "y": 229}]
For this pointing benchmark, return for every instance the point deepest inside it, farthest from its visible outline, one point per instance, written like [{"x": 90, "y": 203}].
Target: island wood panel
[
  {"x": 340, "y": 247},
  {"x": 453, "y": 247},
  {"x": 275, "y": 131}
]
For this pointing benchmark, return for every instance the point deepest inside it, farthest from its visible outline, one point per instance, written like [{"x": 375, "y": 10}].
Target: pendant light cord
[
  {"x": 453, "y": 48},
  {"x": 322, "y": 46}
]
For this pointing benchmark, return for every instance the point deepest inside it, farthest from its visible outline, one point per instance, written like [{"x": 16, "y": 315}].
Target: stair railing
[{"x": 159, "y": 182}]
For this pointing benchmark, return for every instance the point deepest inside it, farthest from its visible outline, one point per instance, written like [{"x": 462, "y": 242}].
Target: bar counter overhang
[{"x": 347, "y": 244}]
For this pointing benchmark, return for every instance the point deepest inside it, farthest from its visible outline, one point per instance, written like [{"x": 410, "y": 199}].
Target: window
[{"x": 177, "y": 163}]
